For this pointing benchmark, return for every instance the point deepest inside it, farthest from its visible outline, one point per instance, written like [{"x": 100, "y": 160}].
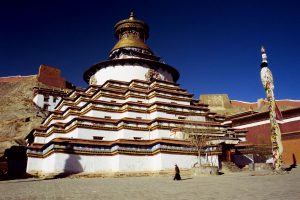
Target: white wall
[
  {"x": 156, "y": 134},
  {"x": 131, "y": 114},
  {"x": 60, "y": 162},
  {"x": 43, "y": 140},
  {"x": 49, "y": 164},
  {"x": 69, "y": 118},
  {"x": 34, "y": 165},
  {"x": 39, "y": 100},
  {"x": 127, "y": 73},
  {"x": 155, "y": 99},
  {"x": 88, "y": 134},
  {"x": 72, "y": 134},
  {"x": 81, "y": 163},
  {"x": 129, "y": 163},
  {"x": 183, "y": 161},
  {"x": 114, "y": 115},
  {"x": 152, "y": 100}
]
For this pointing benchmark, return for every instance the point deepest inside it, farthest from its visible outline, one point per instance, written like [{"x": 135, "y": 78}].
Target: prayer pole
[{"x": 267, "y": 81}]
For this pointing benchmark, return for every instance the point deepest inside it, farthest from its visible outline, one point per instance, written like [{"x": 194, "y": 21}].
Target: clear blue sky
[{"x": 215, "y": 45}]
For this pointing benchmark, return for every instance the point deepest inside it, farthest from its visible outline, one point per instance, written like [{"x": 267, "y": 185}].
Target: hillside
[{"x": 18, "y": 113}]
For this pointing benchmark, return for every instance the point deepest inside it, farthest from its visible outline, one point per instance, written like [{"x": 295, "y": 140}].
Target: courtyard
[{"x": 241, "y": 185}]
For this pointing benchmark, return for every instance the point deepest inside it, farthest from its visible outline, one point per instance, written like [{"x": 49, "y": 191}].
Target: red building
[{"x": 258, "y": 131}]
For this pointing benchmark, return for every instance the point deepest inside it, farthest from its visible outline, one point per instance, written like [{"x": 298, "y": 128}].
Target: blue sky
[{"x": 215, "y": 45}]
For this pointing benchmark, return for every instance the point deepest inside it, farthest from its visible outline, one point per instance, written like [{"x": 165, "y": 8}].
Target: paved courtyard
[{"x": 228, "y": 186}]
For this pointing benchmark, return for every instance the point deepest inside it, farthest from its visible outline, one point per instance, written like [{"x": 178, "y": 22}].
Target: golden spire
[
  {"x": 131, "y": 33},
  {"x": 131, "y": 17}
]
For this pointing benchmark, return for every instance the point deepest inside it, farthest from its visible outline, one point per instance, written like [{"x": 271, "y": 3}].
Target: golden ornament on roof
[{"x": 131, "y": 33}]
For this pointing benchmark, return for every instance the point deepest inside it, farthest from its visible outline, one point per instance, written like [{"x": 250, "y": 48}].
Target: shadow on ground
[{"x": 292, "y": 166}]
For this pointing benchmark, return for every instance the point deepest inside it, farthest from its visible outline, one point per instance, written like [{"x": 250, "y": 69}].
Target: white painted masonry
[
  {"x": 127, "y": 73},
  {"x": 267, "y": 122},
  {"x": 60, "y": 162},
  {"x": 40, "y": 100}
]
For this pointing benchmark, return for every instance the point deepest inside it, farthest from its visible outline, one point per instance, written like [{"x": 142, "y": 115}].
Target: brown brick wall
[
  {"x": 51, "y": 76},
  {"x": 259, "y": 134},
  {"x": 290, "y": 138},
  {"x": 290, "y": 126}
]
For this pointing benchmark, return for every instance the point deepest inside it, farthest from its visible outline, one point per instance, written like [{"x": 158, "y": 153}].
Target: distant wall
[
  {"x": 246, "y": 105},
  {"x": 283, "y": 104},
  {"x": 216, "y": 100},
  {"x": 222, "y": 101},
  {"x": 47, "y": 75},
  {"x": 10, "y": 79}
]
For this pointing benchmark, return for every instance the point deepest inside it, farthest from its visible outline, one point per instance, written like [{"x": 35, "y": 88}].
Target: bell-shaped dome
[{"x": 131, "y": 58}]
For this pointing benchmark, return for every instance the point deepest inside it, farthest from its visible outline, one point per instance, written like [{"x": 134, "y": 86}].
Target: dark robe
[{"x": 177, "y": 173}]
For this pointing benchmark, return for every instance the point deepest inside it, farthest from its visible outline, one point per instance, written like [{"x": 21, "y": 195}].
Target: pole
[{"x": 268, "y": 83}]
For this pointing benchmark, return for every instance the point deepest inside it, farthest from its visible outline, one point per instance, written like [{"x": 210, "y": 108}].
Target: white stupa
[{"x": 131, "y": 118}]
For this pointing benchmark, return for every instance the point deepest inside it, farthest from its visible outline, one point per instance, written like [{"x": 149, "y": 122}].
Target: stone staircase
[{"x": 229, "y": 167}]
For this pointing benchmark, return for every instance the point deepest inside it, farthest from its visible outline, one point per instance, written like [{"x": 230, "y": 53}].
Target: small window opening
[
  {"x": 46, "y": 98},
  {"x": 45, "y": 107},
  {"x": 98, "y": 138}
]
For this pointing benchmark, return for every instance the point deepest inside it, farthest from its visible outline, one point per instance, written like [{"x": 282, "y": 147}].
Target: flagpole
[{"x": 268, "y": 83}]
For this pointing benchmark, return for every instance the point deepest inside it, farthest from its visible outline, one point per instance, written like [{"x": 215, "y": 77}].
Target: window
[
  {"x": 107, "y": 117},
  {"x": 45, "y": 107},
  {"x": 55, "y": 99},
  {"x": 137, "y": 138},
  {"x": 98, "y": 138},
  {"x": 46, "y": 98},
  {"x": 181, "y": 117},
  {"x": 140, "y": 101},
  {"x": 138, "y": 118},
  {"x": 112, "y": 101}
]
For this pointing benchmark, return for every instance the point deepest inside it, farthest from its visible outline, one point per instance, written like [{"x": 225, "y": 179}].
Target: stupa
[{"x": 133, "y": 117}]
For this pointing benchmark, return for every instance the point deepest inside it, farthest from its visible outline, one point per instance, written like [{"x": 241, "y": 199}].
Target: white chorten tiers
[{"x": 131, "y": 118}]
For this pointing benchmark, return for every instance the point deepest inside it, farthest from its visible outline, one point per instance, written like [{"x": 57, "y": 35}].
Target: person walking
[{"x": 177, "y": 173}]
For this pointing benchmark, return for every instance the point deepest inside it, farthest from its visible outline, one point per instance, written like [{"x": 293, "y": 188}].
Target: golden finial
[
  {"x": 131, "y": 33},
  {"x": 131, "y": 17}
]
